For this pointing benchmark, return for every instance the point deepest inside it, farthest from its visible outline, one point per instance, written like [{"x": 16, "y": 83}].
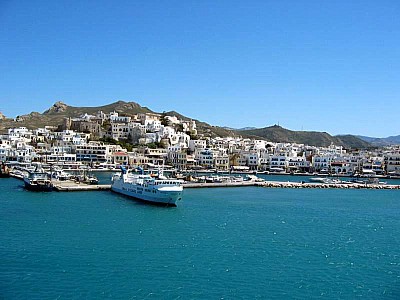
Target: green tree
[{"x": 163, "y": 119}]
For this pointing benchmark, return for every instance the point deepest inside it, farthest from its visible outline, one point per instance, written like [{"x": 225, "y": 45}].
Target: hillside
[
  {"x": 279, "y": 134},
  {"x": 55, "y": 115},
  {"x": 351, "y": 141},
  {"x": 205, "y": 128}
]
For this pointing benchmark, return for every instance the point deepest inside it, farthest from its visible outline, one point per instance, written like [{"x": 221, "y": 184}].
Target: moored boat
[
  {"x": 59, "y": 174},
  {"x": 325, "y": 180},
  {"x": 38, "y": 180},
  {"x": 4, "y": 170},
  {"x": 319, "y": 179},
  {"x": 157, "y": 190}
]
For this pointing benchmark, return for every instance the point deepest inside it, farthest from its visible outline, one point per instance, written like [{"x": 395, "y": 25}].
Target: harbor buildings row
[
  {"x": 236, "y": 154},
  {"x": 182, "y": 149}
]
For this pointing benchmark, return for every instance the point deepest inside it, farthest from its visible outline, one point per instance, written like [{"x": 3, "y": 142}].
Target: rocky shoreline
[{"x": 300, "y": 185}]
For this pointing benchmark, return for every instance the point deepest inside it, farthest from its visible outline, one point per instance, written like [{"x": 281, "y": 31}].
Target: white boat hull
[{"x": 162, "y": 195}]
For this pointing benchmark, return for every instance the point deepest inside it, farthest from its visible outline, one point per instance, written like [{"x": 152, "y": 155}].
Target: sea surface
[{"x": 225, "y": 243}]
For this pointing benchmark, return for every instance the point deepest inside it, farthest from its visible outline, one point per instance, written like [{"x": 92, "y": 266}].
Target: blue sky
[{"x": 308, "y": 65}]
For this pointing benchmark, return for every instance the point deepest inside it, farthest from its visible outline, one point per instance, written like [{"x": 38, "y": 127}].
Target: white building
[
  {"x": 114, "y": 117},
  {"x": 197, "y": 144},
  {"x": 392, "y": 162},
  {"x": 278, "y": 163},
  {"x": 321, "y": 163},
  {"x": 91, "y": 152},
  {"x": 205, "y": 158},
  {"x": 153, "y": 125}
]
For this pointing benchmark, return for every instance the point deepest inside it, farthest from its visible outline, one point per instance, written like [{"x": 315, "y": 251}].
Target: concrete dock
[{"x": 71, "y": 186}]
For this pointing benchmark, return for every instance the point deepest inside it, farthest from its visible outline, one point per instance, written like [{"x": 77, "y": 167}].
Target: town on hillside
[{"x": 108, "y": 140}]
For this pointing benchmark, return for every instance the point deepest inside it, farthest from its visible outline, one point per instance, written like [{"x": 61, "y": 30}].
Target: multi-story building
[
  {"x": 80, "y": 125},
  {"x": 298, "y": 164},
  {"x": 321, "y": 163},
  {"x": 119, "y": 131},
  {"x": 91, "y": 152},
  {"x": 153, "y": 125},
  {"x": 392, "y": 163},
  {"x": 60, "y": 158},
  {"x": 205, "y": 158},
  {"x": 178, "y": 159},
  {"x": 120, "y": 158},
  {"x": 156, "y": 156},
  {"x": 114, "y": 117},
  {"x": 373, "y": 165},
  {"x": 278, "y": 163},
  {"x": 138, "y": 159},
  {"x": 222, "y": 162},
  {"x": 339, "y": 166},
  {"x": 197, "y": 144},
  {"x": 5, "y": 152}
]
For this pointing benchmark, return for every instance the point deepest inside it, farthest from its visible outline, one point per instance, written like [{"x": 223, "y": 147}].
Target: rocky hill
[
  {"x": 55, "y": 115},
  {"x": 122, "y": 107}
]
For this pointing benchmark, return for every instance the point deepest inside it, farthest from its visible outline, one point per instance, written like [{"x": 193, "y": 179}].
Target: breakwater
[
  {"x": 300, "y": 185},
  {"x": 295, "y": 185},
  {"x": 219, "y": 184}
]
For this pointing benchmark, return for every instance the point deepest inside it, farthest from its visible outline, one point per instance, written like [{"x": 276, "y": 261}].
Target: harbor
[
  {"x": 57, "y": 234},
  {"x": 71, "y": 186}
]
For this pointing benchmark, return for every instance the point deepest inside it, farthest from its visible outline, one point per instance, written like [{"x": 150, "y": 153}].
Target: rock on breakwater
[{"x": 277, "y": 184}]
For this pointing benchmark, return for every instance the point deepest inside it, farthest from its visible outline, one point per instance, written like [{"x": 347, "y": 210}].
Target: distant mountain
[
  {"x": 351, "y": 141},
  {"x": 395, "y": 139},
  {"x": 279, "y": 134},
  {"x": 239, "y": 129},
  {"x": 391, "y": 140}
]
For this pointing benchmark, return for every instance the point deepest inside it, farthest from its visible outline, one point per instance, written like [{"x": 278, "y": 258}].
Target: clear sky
[{"x": 329, "y": 66}]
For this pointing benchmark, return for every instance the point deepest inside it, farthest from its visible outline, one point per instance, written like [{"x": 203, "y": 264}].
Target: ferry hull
[
  {"x": 167, "y": 199},
  {"x": 38, "y": 187}
]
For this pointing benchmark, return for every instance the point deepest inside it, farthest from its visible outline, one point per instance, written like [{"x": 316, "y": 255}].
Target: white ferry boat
[
  {"x": 144, "y": 187},
  {"x": 38, "y": 180}
]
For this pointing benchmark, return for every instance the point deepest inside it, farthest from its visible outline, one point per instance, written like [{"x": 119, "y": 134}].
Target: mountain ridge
[
  {"x": 55, "y": 114},
  {"x": 390, "y": 140},
  {"x": 277, "y": 133}
]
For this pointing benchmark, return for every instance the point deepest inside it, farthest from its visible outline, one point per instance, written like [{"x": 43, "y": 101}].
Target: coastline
[{"x": 66, "y": 186}]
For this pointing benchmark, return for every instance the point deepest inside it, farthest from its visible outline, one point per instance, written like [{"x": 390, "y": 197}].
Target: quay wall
[
  {"x": 299, "y": 185},
  {"x": 73, "y": 186}
]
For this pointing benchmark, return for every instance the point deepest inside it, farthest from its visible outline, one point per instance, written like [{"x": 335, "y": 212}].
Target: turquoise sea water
[{"x": 228, "y": 243}]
